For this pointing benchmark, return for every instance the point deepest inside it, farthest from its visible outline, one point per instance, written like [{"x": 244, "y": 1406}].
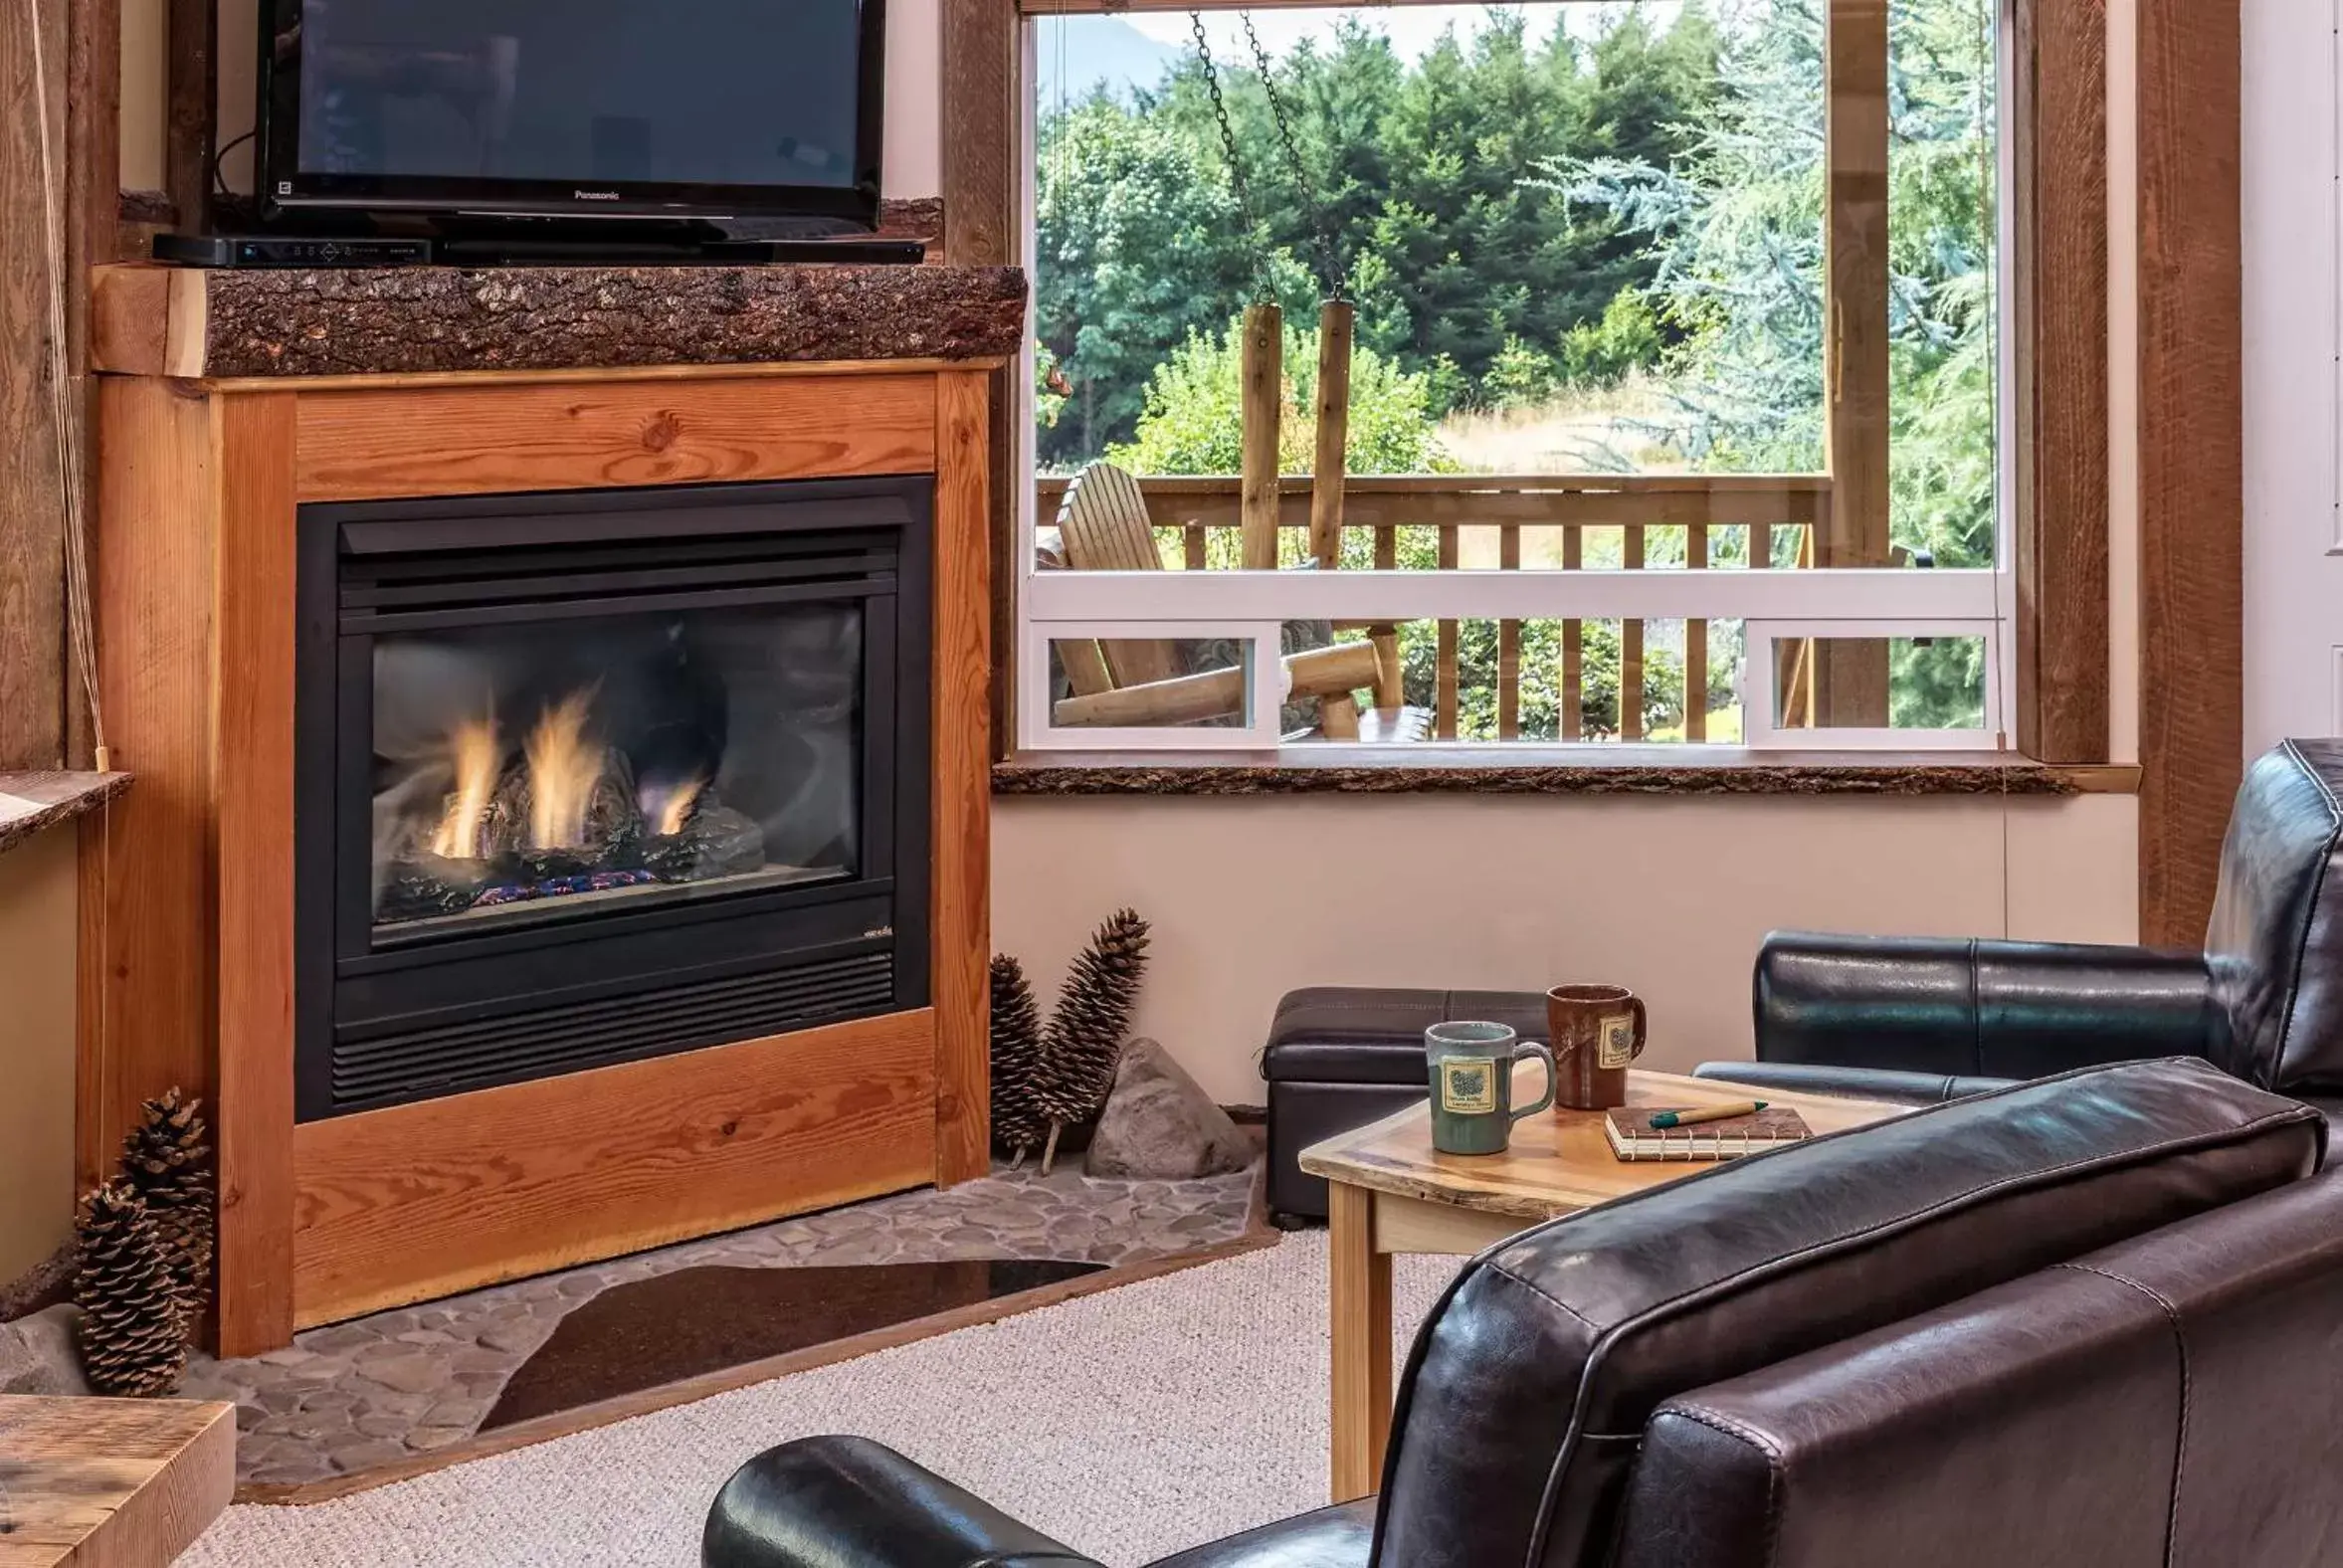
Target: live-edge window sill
[{"x": 1548, "y": 770}]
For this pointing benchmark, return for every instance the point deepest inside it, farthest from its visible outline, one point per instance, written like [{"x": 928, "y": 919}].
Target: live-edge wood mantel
[{"x": 187, "y": 964}]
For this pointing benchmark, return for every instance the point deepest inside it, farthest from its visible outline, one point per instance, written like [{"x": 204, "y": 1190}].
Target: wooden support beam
[
  {"x": 1263, "y": 399},
  {"x": 2060, "y": 208},
  {"x": 2190, "y": 440},
  {"x": 983, "y": 153},
  {"x": 32, "y": 509},
  {"x": 1336, "y": 321},
  {"x": 1852, "y": 680},
  {"x": 190, "y": 84}
]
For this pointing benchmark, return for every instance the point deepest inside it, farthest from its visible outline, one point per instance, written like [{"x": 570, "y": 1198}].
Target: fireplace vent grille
[{"x": 390, "y": 1070}]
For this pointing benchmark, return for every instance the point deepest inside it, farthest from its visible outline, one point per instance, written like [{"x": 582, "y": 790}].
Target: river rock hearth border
[{"x": 387, "y": 1390}]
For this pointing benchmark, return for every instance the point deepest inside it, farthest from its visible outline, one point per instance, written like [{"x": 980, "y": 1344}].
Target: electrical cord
[{"x": 219, "y": 180}]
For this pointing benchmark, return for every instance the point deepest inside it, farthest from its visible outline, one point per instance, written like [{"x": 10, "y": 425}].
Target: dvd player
[{"x": 284, "y": 249}]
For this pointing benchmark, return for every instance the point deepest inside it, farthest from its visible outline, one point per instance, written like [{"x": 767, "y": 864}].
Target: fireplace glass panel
[{"x": 529, "y": 770}]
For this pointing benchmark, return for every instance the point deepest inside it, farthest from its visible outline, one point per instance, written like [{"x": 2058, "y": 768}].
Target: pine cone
[
  {"x": 1094, "y": 1018},
  {"x": 1018, "y": 1122},
  {"x": 165, "y": 1162},
  {"x": 132, "y": 1333}
]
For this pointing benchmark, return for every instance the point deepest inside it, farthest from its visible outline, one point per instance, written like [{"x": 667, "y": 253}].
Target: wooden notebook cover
[{"x": 1632, "y": 1136}]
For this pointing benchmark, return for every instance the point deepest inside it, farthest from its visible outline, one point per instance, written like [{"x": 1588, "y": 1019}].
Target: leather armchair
[
  {"x": 1920, "y": 1019},
  {"x": 2029, "y": 1328}
]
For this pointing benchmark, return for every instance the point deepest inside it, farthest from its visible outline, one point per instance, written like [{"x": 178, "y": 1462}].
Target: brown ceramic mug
[{"x": 1597, "y": 1029}]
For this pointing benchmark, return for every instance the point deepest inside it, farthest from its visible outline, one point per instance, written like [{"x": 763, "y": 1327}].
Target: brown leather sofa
[{"x": 2086, "y": 1322}]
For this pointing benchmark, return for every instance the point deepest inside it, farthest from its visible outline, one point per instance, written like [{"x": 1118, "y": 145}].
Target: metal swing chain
[
  {"x": 1262, "y": 292},
  {"x": 1321, "y": 229}
]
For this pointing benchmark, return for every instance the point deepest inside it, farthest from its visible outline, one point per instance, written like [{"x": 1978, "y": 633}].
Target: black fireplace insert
[{"x": 589, "y": 777}]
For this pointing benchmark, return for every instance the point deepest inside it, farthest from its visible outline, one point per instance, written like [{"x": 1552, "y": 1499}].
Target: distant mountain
[{"x": 1095, "y": 51}]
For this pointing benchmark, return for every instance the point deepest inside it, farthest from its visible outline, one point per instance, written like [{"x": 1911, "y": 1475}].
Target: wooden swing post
[
  {"x": 1264, "y": 398},
  {"x": 1326, "y": 472}
]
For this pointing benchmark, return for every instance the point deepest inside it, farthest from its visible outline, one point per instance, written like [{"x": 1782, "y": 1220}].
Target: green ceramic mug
[{"x": 1471, "y": 1066}]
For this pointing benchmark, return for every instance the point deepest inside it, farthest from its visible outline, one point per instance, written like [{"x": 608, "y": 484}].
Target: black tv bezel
[{"x": 285, "y": 193}]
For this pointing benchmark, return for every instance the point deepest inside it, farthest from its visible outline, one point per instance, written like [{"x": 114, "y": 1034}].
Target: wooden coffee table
[
  {"x": 110, "y": 1482},
  {"x": 1392, "y": 1192}
]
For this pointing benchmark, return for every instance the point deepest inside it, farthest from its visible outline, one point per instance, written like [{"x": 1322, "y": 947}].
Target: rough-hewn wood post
[
  {"x": 1335, "y": 319},
  {"x": 1263, "y": 393}
]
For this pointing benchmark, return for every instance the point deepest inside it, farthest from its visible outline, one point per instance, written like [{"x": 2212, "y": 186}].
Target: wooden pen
[{"x": 1661, "y": 1120}]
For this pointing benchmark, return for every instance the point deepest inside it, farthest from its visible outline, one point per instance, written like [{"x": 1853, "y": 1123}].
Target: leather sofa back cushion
[
  {"x": 1979, "y": 1008},
  {"x": 1529, "y": 1386},
  {"x": 2180, "y": 1383},
  {"x": 2276, "y": 940}
]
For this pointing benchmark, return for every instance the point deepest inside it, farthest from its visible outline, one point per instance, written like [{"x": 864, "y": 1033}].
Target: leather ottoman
[{"x": 1340, "y": 1056}]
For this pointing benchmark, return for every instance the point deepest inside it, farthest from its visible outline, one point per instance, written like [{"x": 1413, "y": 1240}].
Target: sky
[
  {"x": 1413, "y": 28},
  {"x": 1130, "y": 50}
]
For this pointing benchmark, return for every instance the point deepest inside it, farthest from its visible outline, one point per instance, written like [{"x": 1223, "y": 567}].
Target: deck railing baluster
[
  {"x": 1509, "y": 642},
  {"x": 1631, "y": 646},
  {"x": 1760, "y": 504},
  {"x": 1445, "y": 702},
  {"x": 1696, "y": 643}
]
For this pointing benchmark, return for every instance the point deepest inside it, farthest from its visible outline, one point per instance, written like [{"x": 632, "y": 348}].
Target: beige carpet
[{"x": 1128, "y": 1424}]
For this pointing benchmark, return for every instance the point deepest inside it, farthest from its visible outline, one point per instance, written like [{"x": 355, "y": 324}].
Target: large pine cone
[
  {"x": 166, "y": 1162},
  {"x": 132, "y": 1331},
  {"x": 1093, "y": 1020},
  {"x": 1018, "y": 1120}
]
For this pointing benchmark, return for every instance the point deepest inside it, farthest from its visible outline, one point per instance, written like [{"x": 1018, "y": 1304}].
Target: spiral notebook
[{"x": 1633, "y": 1137}]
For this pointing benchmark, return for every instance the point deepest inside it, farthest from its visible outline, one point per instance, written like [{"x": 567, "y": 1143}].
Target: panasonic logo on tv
[{"x": 595, "y": 195}]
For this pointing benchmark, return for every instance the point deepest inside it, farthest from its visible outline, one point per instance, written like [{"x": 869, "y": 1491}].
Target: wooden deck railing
[{"x": 1768, "y": 506}]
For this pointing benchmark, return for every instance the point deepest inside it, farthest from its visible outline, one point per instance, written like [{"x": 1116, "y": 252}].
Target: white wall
[
  {"x": 37, "y": 905},
  {"x": 1250, "y": 897},
  {"x": 2294, "y": 529}
]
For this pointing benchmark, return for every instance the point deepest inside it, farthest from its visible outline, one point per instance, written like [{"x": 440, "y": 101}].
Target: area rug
[{"x": 1129, "y": 1424}]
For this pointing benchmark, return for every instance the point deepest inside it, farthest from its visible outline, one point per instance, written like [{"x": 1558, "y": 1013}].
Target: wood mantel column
[{"x": 963, "y": 919}]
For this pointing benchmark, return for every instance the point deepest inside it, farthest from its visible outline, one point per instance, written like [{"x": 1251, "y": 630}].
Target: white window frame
[
  {"x": 1860, "y": 602},
  {"x": 1761, "y": 728},
  {"x": 1264, "y": 695},
  {"x": 1172, "y": 605}
]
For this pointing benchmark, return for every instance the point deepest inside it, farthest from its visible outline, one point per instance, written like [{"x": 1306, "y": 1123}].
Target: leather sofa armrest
[
  {"x": 1977, "y": 1009},
  {"x": 820, "y": 1503},
  {"x": 1885, "y": 1085}
]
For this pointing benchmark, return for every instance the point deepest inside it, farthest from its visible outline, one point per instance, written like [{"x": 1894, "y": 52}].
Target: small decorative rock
[
  {"x": 38, "y": 1354},
  {"x": 1160, "y": 1125}
]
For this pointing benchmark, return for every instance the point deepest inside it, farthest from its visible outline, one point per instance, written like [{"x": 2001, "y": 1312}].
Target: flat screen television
[{"x": 639, "y": 109}]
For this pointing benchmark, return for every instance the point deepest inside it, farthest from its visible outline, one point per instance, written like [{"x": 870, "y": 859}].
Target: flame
[
  {"x": 475, "y": 751},
  {"x": 563, "y": 770},
  {"x": 669, "y": 805}
]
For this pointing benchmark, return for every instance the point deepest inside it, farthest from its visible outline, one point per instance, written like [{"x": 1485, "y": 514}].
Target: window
[{"x": 1672, "y": 395}]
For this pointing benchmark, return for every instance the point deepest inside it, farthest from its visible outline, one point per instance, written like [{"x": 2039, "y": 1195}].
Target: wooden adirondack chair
[{"x": 1104, "y": 525}]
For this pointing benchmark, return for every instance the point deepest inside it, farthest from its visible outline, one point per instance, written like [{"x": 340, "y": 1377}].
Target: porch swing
[{"x": 1103, "y": 522}]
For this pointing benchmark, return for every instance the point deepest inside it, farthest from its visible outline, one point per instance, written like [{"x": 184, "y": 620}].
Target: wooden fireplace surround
[{"x": 187, "y": 908}]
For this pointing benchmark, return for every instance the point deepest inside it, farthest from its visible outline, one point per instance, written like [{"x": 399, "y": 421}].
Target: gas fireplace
[{"x": 590, "y": 777}]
